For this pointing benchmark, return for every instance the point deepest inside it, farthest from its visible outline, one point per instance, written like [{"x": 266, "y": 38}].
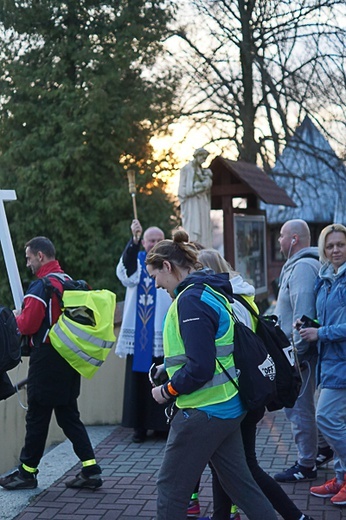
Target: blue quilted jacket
[{"x": 331, "y": 314}]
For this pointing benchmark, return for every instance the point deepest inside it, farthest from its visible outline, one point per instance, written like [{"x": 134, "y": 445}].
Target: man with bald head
[
  {"x": 140, "y": 338},
  {"x": 296, "y": 298}
]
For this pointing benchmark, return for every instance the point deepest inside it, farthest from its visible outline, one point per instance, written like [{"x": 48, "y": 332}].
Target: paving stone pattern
[{"x": 129, "y": 471}]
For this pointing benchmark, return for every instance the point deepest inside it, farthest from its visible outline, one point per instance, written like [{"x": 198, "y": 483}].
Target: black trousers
[
  {"x": 140, "y": 410},
  {"x": 37, "y": 424},
  {"x": 271, "y": 489}
]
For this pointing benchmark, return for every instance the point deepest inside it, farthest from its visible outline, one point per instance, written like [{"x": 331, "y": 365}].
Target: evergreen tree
[{"x": 79, "y": 98}]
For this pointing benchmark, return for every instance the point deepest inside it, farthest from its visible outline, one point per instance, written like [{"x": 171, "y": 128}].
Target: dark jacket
[
  {"x": 6, "y": 387},
  {"x": 51, "y": 380},
  {"x": 199, "y": 323}
]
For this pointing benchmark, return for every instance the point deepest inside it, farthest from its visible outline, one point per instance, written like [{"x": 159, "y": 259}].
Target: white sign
[{"x": 8, "y": 251}]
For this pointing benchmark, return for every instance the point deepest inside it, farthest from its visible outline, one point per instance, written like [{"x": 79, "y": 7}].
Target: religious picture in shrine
[{"x": 250, "y": 250}]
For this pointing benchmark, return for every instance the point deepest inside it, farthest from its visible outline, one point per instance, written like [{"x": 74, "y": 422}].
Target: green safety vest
[
  {"x": 84, "y": 332},
  {"x": 219, "y": 389}
]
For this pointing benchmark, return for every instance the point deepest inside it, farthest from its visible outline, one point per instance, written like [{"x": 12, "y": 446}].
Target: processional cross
[{"x": 8, "y": 251}]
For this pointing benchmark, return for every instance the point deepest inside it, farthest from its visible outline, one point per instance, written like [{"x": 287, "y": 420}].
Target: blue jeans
[
  {"x": 302, "y": 416},
  {"x": 194, "y": 439},
  {"x": 331, "y": 420}
]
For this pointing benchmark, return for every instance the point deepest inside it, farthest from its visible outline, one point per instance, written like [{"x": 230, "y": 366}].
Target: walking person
[
  {"x": 140, "y": 337},
  {"x": 198, "y": 336},
  {"x": 53, "y": 384},
  {"x": 224, "y": 509},
  {"x": 296, "y": 298},
  {"x": 331, "y": 338}
]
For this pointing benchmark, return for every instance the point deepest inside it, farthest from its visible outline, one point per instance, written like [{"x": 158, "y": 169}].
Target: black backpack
[
  {"x": 255, "y": 369},
  {"x": 67, "y": 284},
  {"x": 288, "y": 379},
  {"x": 10, "y": 354},
  {"x": 256, "y": 372}
]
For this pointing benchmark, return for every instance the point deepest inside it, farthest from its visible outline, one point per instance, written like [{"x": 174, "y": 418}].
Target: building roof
[
  {"x": 239, "y": 178},
  {"x": 313, "y": 176}
]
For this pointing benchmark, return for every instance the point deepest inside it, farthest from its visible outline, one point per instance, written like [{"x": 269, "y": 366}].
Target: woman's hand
[
  {"x": 154, "y": 374},
  {"x": 309, "y": 334},
  {"x": 160, "y": 395}
]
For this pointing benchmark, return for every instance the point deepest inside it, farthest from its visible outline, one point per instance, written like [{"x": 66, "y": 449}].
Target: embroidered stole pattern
[{"x": 145, "y": 319}]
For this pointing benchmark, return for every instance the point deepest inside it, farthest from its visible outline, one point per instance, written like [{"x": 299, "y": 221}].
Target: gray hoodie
[{"x": 296, "y": 293}]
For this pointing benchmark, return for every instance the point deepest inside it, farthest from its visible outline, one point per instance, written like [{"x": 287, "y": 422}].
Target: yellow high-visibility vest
[
  {"x": 84, "y": 333},
  {"x": 219, "y": 389}
]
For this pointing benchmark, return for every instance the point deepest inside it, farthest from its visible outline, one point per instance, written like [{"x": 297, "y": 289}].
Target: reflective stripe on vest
[
  {"x": 220, "y": 379},
  {"x": 72, "y": 346},
  {"x": 82, "y": 334},
  {"x": 85, "y": 346},
  {"x": 222, "y": 351}
]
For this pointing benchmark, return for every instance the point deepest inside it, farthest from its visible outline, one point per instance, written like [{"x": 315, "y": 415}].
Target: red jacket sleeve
[{"x": 31, "y": 317}]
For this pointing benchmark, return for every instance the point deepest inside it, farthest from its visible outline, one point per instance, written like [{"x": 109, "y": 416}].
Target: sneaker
[
  {"x": 327, "y": 490},
  {"x": 17, "y": 480},
  {"x": 238, "y": 517},
  {"x": 81, "y": 481},
  {"x": 324, "y": 456},
  {"x": 193, "y": 510},
  {"x": 297, "y": 473},
  {"x": 340, "y": 498}
]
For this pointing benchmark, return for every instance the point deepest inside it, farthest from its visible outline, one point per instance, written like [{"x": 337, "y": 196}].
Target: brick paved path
[{"x": 129, "y": 471}]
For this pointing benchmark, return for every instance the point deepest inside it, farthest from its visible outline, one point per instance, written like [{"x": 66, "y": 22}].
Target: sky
[{"x": 183, "y": 143}]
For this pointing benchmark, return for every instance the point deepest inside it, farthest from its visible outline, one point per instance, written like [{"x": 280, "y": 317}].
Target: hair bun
[{"x": 180, "y": 235}]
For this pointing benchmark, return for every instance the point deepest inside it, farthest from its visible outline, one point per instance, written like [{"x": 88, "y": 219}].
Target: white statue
[{"x": 194, "y": 196}]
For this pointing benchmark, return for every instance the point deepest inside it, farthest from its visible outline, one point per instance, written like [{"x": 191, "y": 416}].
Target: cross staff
[{"x": 8, "y": 251}]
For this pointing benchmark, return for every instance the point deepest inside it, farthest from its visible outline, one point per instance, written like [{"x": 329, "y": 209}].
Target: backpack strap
[
  {"x": 246, "y": 304},
  {"x": 49, "y": 290},
  {"x": 227, "y": 374},
  {"x": 268, "y": 317},
  {"x": 235, "y": 320}
]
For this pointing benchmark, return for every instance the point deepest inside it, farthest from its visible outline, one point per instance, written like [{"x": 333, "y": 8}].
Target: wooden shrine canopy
[
  {"x": 242, "y": 179},
  {"x": 238, "y": 179}
]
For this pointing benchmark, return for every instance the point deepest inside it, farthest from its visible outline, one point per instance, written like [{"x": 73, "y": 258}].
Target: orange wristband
[{"x": 171, "y": 390}]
